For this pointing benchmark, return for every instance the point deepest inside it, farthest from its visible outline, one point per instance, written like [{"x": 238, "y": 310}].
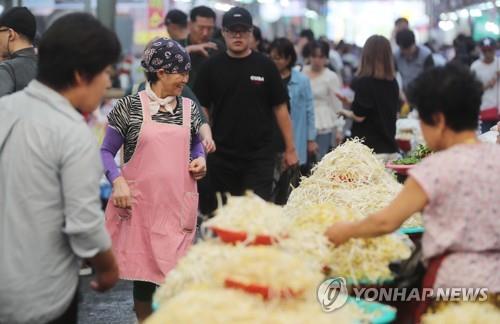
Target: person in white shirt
[
  {"x": 325, "y": 85},
  {"x": 487, "y": 70}
]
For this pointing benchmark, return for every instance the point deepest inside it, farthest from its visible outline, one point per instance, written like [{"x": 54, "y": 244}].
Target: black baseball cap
[
  {"x": 21, "y": 20},
  {"x": 237, "y": 16},
  {"x": 487, "y": 44},
  {"x": 176, "y": 17}
]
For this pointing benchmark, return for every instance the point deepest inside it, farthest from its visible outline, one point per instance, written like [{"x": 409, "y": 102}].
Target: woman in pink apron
[
  {"x": 456, "y": 188},
  {"x": 151, "y": 215}
]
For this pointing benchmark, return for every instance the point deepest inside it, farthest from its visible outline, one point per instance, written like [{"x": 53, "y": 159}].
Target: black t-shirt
[
  {"x": 378, "y": 101},
  {"x": 240, "y": 94},
  {"x": 278, "y": 142}
]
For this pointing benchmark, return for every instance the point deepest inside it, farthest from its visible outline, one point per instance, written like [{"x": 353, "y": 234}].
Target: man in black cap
[
  {"x": 176, "y": 22},
  {"x": 245, "y": 99},
  {"x": 17, "y": 32}
]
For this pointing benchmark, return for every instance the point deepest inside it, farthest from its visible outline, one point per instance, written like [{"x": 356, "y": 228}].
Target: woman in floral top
[{"x": 456, "y": 188}]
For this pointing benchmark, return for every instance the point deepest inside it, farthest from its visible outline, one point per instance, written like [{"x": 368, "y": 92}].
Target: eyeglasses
[
  {"x": 239, "y": 32},
  {"x": 4, "y": 29}
]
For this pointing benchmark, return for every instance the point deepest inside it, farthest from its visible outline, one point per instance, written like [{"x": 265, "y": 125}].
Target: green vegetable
[{"x": 416, "y": 156}]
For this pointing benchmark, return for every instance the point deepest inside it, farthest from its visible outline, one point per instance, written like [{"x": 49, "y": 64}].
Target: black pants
[
  {"x": 70, "y": 316},
  {"x": 143, "y": 291},
  {"x": 235, "y": 176}
]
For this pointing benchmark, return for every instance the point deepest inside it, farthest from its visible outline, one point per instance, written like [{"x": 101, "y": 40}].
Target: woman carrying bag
[{"x": 151, "y": 215}]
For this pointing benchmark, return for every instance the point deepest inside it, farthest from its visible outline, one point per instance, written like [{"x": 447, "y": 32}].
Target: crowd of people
[{"x": 220, "y": 111}]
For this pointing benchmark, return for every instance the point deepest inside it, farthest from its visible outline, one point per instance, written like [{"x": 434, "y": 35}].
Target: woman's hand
[
  {"x": 121, "y": 196},
  {"x": 209, "y": 145},
  {"x": 198, "y": 168},
  {"x": 339, "y": 137},
  {"x": 312, "y": 147},
  {"x": 338, "y": 233},
  {"x": 346, "y": 113},
  {"x": 343, "y": 99}
]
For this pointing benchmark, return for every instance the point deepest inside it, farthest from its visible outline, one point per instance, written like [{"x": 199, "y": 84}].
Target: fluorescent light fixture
[
  {"x": 453, "y": 16},
  {"x": 222, "y": 6},
  {"x": 464, "y": 13},
  {"x": 311, "y": 14},
  {"x": 475, "y": 13},
  {"x": 446, "y": 25},
  {"x": 492, "y": 27}
]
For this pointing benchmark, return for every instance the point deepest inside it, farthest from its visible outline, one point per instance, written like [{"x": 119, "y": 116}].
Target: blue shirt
[{"x": 301, "y": 112}]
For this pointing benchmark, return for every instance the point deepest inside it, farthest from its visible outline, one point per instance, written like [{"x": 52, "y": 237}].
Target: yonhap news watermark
[{"x": 333, "y": 293}]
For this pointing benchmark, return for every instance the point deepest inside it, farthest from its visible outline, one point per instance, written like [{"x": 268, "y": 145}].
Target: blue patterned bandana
[{"x": 166, "y": 54}]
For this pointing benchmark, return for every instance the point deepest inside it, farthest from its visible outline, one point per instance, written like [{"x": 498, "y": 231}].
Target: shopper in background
[
  {"x": 151, "y": 215},
  {"x": 399, "y": 24},
  {"x": 467, "y": 253},
  {"x": 200, "y": 43},
  {"x": 465, "y": 50},
  {"x": 376, "y": 99},
  {"x": 176, "y": 22},
  {"x": 256, "y": 41},
  {"x": 325, "y": 85},
  {"x": 487, "y": 70},
  {"x": 243, "y": 92},
  {"x": 300, "y": 102},
  {"x": 50, "y": 170},
  {"x": 306, "y": 36},
  {"x": 411, "y": 59},
  {"x": 17, "y": 32}
]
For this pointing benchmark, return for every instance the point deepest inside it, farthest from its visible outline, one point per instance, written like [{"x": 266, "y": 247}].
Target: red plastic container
[
  {"x": 265, "y": 291},
  {"x": 404, "y": 145},
  {"x": 233, "y": 237},
  {"x": 400, "y": 168}
]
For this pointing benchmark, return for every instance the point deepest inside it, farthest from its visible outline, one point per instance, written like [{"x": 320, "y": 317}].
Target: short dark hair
[
  {"x": 452, "y": 90},
  {"x": 285, "y": 49},
  {"x": 405, "y": 38},
  {"x": 401, "y": 20},
  {"x": 176, "y": 17},
  {"x": 202, "y": 11},
  {"x": 323, "y": 46},
  {"x": 257, "y": 34},
  {"x": 151, "y": 77},
  {"x": 307, "y": 33},
  {"x": 76, "y": 42}
]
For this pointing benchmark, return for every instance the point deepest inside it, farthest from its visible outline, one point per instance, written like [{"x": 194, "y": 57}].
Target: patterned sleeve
[
  {"x": 428, "y": 175},
  {"x": 119, "y": 117},
  {"x": 196, "y": 120}
]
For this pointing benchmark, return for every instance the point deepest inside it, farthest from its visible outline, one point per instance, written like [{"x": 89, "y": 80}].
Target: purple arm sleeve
[
  {"x": 110, "y": 146},
  {"x": 197, "y": 147}
]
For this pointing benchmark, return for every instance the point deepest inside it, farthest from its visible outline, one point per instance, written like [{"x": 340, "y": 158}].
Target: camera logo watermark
[{"x": 332, "y": 294}]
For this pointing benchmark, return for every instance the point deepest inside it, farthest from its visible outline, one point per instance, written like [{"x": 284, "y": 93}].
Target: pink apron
[{"x": 149, "y": 238}]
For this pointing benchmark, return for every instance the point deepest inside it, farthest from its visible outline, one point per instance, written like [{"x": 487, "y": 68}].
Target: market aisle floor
[{"x": 113, "y": 307}]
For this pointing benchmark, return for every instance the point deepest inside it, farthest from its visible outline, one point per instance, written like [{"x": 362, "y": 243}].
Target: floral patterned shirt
[{"x": 463, "y": 215}]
